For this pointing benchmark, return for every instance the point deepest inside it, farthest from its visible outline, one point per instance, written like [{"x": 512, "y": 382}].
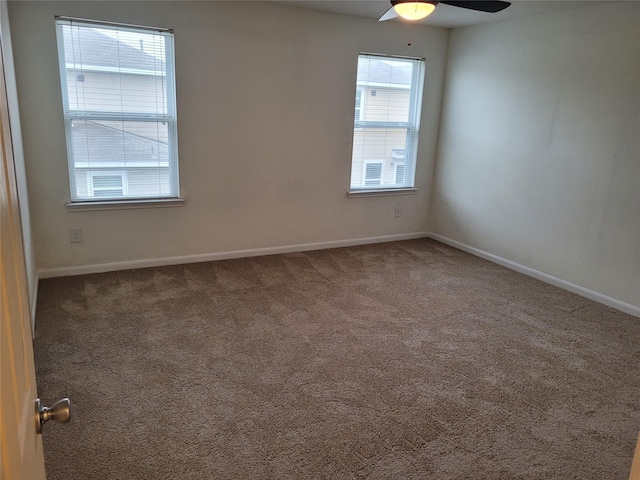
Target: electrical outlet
[
  {"x": 75, "y": 235},
  {"x": 397, "y": 211}
]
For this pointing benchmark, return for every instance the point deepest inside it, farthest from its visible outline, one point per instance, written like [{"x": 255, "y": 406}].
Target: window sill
[
  {"x": 124, "y": 204},
  {"x": 381, "y": 192}
]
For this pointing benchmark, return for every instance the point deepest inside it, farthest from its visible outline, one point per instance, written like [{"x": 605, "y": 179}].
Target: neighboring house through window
[
  {"x": 399, "y": 174},
  {"x": 397, "y": 158},
  {"x": 386, "y": 122},
  {"x": 358, "y": 110},
  {"x": 118, "y": 92},
  {"x": 372, "y": 173},
  {"x": 106, "y": 184}
]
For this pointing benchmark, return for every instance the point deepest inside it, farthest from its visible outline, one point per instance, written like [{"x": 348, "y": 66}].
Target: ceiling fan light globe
[{"x": 414, "y": 10}]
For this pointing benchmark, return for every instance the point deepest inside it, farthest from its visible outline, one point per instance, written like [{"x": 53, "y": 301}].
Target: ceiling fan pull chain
[{"x": 410, "y": 32}]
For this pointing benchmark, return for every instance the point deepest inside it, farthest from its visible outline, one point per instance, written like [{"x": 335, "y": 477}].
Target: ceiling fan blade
[
  {"x": 479, "y": 5},
  {"x": 389, "y": 14}
]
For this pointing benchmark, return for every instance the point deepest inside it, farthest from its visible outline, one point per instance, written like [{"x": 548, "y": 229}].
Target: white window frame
[
  {"x": 170, "y": 118},
  {"x": 112, "y": 173},
  {"x": 412, "y": 127}
]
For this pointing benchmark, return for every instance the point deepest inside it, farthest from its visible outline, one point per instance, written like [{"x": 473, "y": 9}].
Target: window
[
  {"x": 372, "y": 173},
  {"x": 106, "y": 184},
  {"x": 399, "y": 173},
  {"x": 358, "y": 109},
  {"x": 386, "y": 122},
  {"x": 118, "y": 93}
]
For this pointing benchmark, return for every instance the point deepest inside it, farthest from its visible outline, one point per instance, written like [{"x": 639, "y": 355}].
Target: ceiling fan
[{"x": 415, "y": 10}]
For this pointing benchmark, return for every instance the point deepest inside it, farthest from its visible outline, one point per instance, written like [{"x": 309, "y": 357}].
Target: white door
[{"x": 21, "y": 447}]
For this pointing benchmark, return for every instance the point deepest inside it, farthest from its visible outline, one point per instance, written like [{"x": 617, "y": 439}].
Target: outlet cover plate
[{"x": 75, "y": 235}]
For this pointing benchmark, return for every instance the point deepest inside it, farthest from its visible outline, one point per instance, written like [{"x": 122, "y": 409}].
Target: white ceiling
[{"x": 445, "y": 15}]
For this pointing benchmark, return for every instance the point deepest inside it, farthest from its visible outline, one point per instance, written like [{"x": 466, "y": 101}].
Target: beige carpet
[{"x": 405, "y": 360}]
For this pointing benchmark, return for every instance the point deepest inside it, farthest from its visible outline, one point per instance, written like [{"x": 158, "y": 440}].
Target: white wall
[
  {"x": 539, "y": 155},
  {"x": 18, "y": 154},
  {"x": 265, "y": 99}
]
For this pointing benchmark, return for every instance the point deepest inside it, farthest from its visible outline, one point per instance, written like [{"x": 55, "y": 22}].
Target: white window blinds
[
  {"x": 386, "y": 122},
  {"x": 118, "y": 93}
]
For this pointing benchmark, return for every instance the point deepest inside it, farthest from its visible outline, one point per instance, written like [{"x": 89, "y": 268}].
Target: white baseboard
[
  {"x": 207, "y": 257},
  {"x": 557, "y": 282}
]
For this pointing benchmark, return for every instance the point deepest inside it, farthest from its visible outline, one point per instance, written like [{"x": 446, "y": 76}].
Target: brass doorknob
[{"x": 59, "y": 412}]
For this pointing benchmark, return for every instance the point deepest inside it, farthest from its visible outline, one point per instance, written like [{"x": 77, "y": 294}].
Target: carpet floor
[{"x": 403, "y": 360}]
